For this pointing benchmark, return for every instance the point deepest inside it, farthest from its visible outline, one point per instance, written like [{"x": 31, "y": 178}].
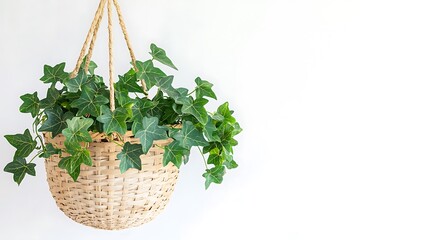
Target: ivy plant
[{"x": 75, "y": 107}]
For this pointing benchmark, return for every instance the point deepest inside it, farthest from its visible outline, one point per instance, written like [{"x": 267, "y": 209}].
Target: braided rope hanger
[{"x": 91, "y": 38}]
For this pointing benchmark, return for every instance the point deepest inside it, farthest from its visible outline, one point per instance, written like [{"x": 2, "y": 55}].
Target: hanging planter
[{"x": 113, "y": 152}]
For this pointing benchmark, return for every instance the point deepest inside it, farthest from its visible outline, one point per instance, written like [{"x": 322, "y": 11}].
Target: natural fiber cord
[
  {"x": 127, "y": 40},
  {"x": 103, "y": 197},
  {"x": 88, "y": 37},
  {"x": 111, "y": 67},
  {"x": 94, "y": 38}
]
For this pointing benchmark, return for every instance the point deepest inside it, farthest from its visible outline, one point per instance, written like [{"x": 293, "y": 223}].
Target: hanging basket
[{"x": 103, "y": 197}]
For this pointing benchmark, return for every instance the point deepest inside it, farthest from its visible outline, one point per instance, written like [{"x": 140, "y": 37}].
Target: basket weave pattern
[{"x": 104, "y": 198}]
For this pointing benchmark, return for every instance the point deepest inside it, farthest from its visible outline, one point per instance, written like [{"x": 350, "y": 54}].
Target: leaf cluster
[{"x": 75, "y": 107}]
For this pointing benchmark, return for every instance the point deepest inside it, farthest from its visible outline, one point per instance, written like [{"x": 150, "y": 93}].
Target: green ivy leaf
[
  {"x": 122, "y": 96},
  {"x": 230, "y": 165},
  {"x": 190, "y": 136},
  {"x": 89, "y": 103},
  {"x": 224, "y": 111},
  {"x": 19, "y": 167},
  {"x": 169, "y": 115},
  {"x": 130, "y": 157},
  {"x": 177, "y": 108},
  {"x": 160, "y": 55},
  {"x": 228, "y": 160},
  {"x": 210, "y": 131},
  {"x": 221, "y": 157},
  {"x": 96, "y": 83},
  {"x": 49, "y": 151},
  {"x": 114, "y": 122},
  {"x": 196, "y": 109},
  {"x": 171, "y": 131},
  {"x": 149, "y": 132},
  {"x": 233, "y": 142},
  {"x": 56, "y": 121},
  {"x": 158, "y": 96},
  {"x": 24, "y": 143},
  {"x": 183, "y": 91},
  {"x": 97, "y": 79},
  {"x": 164, "y": 83},
  {"x": 160, "y": 109},
  {"x": 31, "y": 104},
  {"x": 204, "y": 88},
  {"x": 175, "y": 154},
  {"x": 218, "y": 117},
  {"x": 79, "y": 153},
  {"x": 51, "y": 99},
  {"x": 225, "y": 131},
  {"x": 211, "y": 146},
  {"x": 237, "y": 129},
  {"x": 72, "y": 167},
  {"x": 214, "y": 175},
  {"x": 77, "y": 130},
  {"x": 227, "y": 146},
  {"x": 91, "y": 68},
  {"x": 148, "y": 73},
  {"x": 177, "y": 105},
  {"x": 183, "y": 95},
  {"x": 139, "y": 110},
  {"x": 215, "y": 158},
  {"x": 129, "y": 82},
  {"x": 76, "y": 84},
  {"x": 54, "y": 74},
  {"x": 72, "y": 163}
]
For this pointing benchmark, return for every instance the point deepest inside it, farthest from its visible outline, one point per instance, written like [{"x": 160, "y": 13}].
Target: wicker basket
[{"x": 104, "y": 198}]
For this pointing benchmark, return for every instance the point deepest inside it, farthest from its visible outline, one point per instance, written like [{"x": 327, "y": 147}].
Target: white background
[{"x": 332, "y": 95}]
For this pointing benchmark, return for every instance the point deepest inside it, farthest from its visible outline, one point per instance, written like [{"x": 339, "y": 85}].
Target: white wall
[{"x": 332, "y": 95}]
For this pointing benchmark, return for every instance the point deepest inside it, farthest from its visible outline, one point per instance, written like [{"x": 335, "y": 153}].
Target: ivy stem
[
  {"x": 159, "y": 146},
  {"x": 38, "y": 153},
  {"x": 192, "y": 92},
  {"x": 41, "y": 141},
  {"x": 39, "y": 115},
  {"x": 34, "y": 127},
  {"x": 121, "y": 138},
  {"x": 120, "y": 145},
  {"x": 204, "y": 158}
]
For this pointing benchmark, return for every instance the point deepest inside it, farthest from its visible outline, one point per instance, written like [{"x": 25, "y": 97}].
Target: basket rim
[{"x": 100, "y": 136}]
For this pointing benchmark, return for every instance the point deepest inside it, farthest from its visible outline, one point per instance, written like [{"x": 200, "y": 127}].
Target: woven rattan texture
[{"x": 103, "y": 197}]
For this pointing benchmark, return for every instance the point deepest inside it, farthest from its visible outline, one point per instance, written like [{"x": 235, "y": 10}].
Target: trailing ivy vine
[{"x": 75, "y": 107}]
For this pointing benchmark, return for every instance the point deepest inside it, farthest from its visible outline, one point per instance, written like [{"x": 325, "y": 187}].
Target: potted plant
[{"x": 113, "y": 152}]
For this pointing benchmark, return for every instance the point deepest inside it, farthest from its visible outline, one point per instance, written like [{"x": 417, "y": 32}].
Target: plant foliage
[{"x": 75, "y": 107}]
